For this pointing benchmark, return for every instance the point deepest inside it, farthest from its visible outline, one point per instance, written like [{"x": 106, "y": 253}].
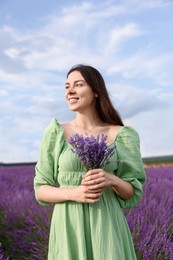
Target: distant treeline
[
  {"x": 146, "y": 160},
  {"x": 18, "y": 164},
  {"x": 158, "y": 159}
]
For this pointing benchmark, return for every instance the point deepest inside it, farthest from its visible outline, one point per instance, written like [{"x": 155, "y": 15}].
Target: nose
[{"x": 71, "y": 90}]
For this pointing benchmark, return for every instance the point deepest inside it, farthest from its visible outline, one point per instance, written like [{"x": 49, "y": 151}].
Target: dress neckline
[{"x": 116, "y": 137}]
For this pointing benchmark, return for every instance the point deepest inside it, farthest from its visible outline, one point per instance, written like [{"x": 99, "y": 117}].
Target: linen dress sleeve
[
  {"x": 46, "y": 169},
  {"x": 130, "y": 164}
]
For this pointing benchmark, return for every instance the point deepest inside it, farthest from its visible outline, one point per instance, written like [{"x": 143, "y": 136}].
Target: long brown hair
[{"x": 106, "y": 110}]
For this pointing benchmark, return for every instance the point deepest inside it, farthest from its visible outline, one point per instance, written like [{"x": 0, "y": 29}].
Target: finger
[
  {"x": 91, "y": 172},
  {"x": 95, "y": 191},
  {"x": 92, "y": 189},
  {"x": 95, "y": 187},
  {"x": 94, "y": 177},
  {"x": 94, "y": 173},
  {"x": 91, "y": 201},
  {"x": 93, "y": 181},
  {"x": 93, "y": 195}
]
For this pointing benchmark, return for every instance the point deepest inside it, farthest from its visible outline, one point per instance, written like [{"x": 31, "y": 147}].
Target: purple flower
[{"x": 92, "y": 151}]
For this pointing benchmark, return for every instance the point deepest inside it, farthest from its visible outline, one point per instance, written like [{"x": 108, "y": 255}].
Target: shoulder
[
  {"x": 56, "y": 130},
  {"x": 52, "y": 137},
  {"x": 127, "y": 130},
  {"x": 68, "y": 129},
  {"x": 53, "y": 128},
  {"x": 67, "y": 124},
  {"x": 54, "y": 124},
  {"x": 127, "y": 134},
  {"x": 122, "y": 133},
  {"x": 113, "y": 132}
]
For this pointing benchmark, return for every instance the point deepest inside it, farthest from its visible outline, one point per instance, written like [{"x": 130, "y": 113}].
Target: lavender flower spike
[{"x": 92, "y": 151}]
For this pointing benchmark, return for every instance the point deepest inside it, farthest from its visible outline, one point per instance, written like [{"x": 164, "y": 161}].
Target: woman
[{"x": 88, "y": 222}]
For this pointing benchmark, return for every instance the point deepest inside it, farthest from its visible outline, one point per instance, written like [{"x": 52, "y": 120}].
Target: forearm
[
  {"x": 79, "y": 194},
  {"x": 123, "y": 188},
  {"x": 51, "y": 194}
]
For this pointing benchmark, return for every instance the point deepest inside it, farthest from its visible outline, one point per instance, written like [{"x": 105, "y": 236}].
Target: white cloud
[
  {"x": 147, "y": 4},
  {"x": 34, "y": 61},
  {"x": 155, "y": 132},
  {"x": 143, "y": 64},
  {"x": 53, "y": 48},
  {"x": 132, "y": 101},
  {"x": 3, "y": 92}
]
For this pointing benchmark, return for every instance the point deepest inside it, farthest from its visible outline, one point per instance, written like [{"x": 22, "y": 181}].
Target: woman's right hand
[{"x": 85, "y": 194}]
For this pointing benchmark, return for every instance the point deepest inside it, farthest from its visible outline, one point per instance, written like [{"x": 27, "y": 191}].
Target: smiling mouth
[{"x": 73, "y": 99}]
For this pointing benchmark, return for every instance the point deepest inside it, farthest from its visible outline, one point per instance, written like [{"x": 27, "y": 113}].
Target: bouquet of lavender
[{"x": 92, "y": 151}]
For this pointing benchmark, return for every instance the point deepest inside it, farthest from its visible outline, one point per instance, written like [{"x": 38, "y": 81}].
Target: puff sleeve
[
  {"x": 130, "y": 164},
  {"x": 46, "y": 169}
]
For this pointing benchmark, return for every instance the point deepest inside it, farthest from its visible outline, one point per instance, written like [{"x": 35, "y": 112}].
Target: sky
[{"x": 129, "y": 41}]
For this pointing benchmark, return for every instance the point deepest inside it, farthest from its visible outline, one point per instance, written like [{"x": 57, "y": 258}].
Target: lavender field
[{"x": 24, "y": 225}]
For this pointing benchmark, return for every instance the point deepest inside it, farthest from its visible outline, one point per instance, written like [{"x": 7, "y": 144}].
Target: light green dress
[{"x": 81, "y": 231}]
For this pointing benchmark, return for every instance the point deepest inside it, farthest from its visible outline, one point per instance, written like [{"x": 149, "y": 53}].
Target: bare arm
[
  {"x": 80, "y": 194},
  {"x": 123, "y": 188}
]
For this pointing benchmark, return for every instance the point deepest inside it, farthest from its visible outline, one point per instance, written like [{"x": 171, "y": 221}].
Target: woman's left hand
[{"x": 97, "y": 178}]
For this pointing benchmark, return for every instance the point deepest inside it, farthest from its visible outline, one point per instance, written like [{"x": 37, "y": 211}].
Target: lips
[{"x": 73, "y": 100}]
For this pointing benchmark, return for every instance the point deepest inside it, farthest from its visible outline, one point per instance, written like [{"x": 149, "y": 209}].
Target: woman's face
[{"x": 79, "y": 94}]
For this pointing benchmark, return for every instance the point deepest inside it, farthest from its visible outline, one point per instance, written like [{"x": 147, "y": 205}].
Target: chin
[{"x": 74, "y": 109}]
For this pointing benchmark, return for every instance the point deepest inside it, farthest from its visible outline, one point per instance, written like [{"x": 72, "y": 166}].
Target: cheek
[
  {"x": 92, "y": 97},
  {"x": 65, "y": 95}
]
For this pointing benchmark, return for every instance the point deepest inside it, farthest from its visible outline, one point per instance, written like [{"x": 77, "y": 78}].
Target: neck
[{"x": 87, "y": 121}]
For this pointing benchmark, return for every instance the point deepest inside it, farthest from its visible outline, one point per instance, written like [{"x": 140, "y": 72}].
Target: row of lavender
[{"x": 24, "y": 225}]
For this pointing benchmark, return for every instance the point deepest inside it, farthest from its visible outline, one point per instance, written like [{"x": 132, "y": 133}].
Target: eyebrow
[{"x": 67, "y": 83}]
